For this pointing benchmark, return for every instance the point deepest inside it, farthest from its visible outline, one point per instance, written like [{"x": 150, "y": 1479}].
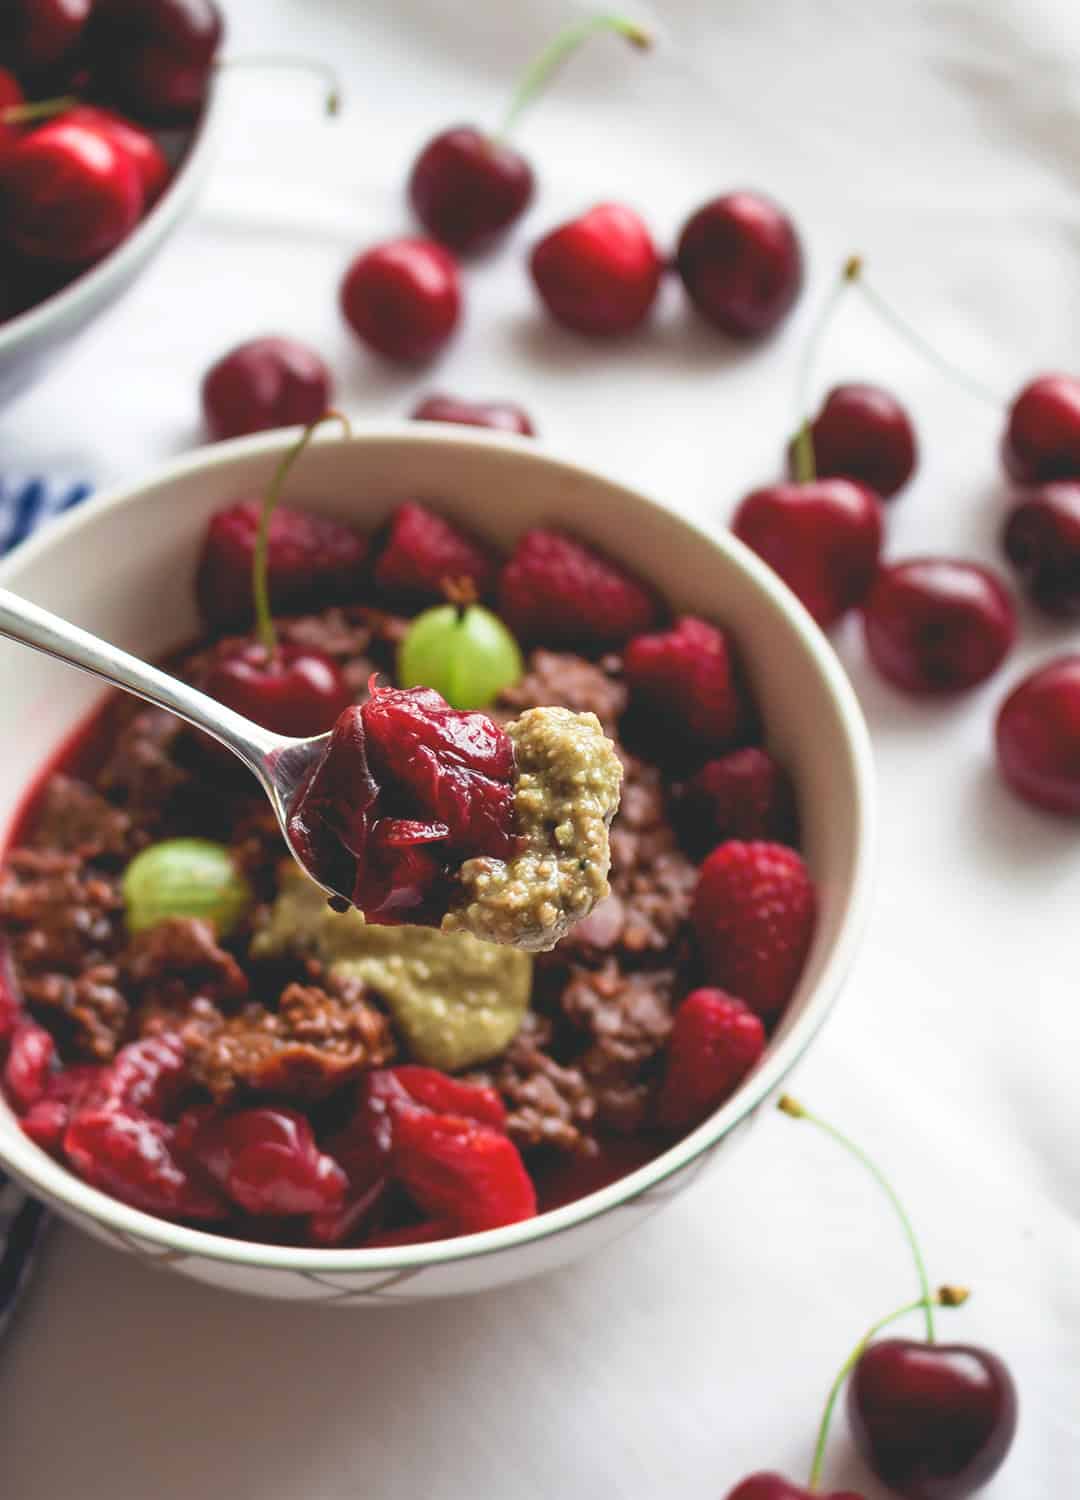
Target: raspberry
[
  {"x": 715, "y": 1042},
  {"x": 29, "y": 1062},
  {"x": 267, "y": 1162},
  {"x": 423, "y": 550},
  {"x": 753, "y": 913},
  {"x": 311, "y": 560},
  {"x": 561, "y": 591},
  {"x": 459, "y": 1170},
  {"x": 689, "y": 676},
  {"x": 131, "y": 1157},
  {"x": 743, "y": 795}
]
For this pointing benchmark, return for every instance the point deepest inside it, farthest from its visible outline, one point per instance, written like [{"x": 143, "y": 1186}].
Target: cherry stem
[
  {"x": 260, "y": 588},
  {"x": 292, "y": 64},
  {"x": 38, "y": 109},
  {"x": 915, "y": 340},
  {"x": 946, "y": 1296},
  {"x": 805, "y": 464},
  {"x": 537, "y": 75},
  {"x": 792, "y": 1107}
]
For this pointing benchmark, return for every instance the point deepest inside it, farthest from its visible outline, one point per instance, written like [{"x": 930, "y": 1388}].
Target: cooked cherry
[
  {"x": 290, "y": 689},
  {"x": 266, "y": 1160},
  {"x": 936, "y": 625},
  {"x": 504, "y": 416},
  {"x": 403, "y": 298},
  {"x": 598, "y": 274},
  {"x": 863, "y": 433},
  {"x": 1038, "y": 736},
  {"x": 1042, "y": 436},
  {"x": 740, "y": 260},
  {"x": 266, "y": 383},
  {"x": 1042, "y": 541}
]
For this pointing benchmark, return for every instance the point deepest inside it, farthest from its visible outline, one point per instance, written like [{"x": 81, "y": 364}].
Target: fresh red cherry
[
  {"x": 598, "y": 274},
  {"x": 467, "y": 188},
  {"x": 1042, "y": 541},
  {"x": 150, "y": 161},
  {"x": 862, "y": 432},
  {"x": 68, "y": 194},
  {"x": 269, "y": 382},
  {"x": 1038, "y": 736},
  {"x": 39, "y": 34},
  {"x": 156, "y": 56},
  {"x": 822, "y": 537},
  {"x": 403, "y": 298},
  {"x": 769, "y": 1486},
  {"x": 504, "y": 416},
  {"x": 1042, "y": 436},
  {"x": 933, "y": 1421},
  {"x": 935, "y": 625},
  {"x": 291, "y": 689},
  {"x": 11, "y": 98},
  {"x": 741, "y": 262}
]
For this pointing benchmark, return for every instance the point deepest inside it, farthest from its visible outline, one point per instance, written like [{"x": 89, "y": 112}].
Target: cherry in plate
[
  {"x": 598, "y": 274},
  {"x": 1042, "y": 434},
  {"x": 741, "y": 262},
  {"x": 863, "y": 433},
  {"x": 1038, "y": 736},
  {"x": 403, "y": 298},
  {"x": 1042, "y": 541},
  {"x": 262, "y": 384}
]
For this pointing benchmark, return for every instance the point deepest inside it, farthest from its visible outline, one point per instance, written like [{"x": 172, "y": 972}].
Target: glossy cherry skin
[
  {"x": 149, "y": 160},
  {"x": 1042, "y": 541},
  {"x": 156, "y": 56},
  {"x": 267, "y": 383},
  {"x": 598, "y": 274},
  {"x": 1038, "y": 736},
  {"x": 68, "y": 194},
  {"x": 11, "y": 96},
  {"x": 933, "y": 1421},
  {"x": 741, "y": 263},
  {"x": 295, "y": 691},
  {"x": 862, "y": 432},
  {"x": 767, "y": 1485},
  {"x": 503, "y": 416},
  {"x": 935, "y": 625},
  {"x": 823, "y": 538},
  {"x": 1042, "y": 435},
  {"x": 42, "y": 33},
  {"x": 467, "y": 189},
  {"x": 403, "y": 298}
]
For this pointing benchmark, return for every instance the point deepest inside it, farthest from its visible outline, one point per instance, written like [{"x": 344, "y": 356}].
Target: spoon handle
[{"x": 33, "y": 626}]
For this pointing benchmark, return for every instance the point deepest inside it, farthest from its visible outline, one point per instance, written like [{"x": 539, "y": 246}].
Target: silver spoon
[{"x": 281, "y": 764}]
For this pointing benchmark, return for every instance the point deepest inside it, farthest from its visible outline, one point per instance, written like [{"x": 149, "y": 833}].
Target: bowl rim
[
  {"x": 99, "y": 280},
  {"x": 30, "y": 1165}
]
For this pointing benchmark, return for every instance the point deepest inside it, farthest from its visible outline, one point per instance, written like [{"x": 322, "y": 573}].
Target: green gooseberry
[
  {"x": 464, "y": 652},
  {"x": 185, "y": 878}
]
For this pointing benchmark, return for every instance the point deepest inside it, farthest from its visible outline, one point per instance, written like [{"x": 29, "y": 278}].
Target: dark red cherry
[
  {"x": 11, "y": 97},
  {"x": 933, "y": 1421},
  {"x": 36, "y": 35},
  {"x": 769, "y": 1486},
  {"x": 155, "y": 56},
  {"x": 504, "y": 416},
  {"x": 823, "y": 538},
  {"x": 598, "y": 274},
  {"x": 936, "y": 625},
  {"x": 1042, "y": 435},
  {"x": 741, "y": 262},
  {"x": 269, "y": 382},
  {"x": 403, "y": 298},
  {"x": 68, "y": 194},
  {"x": 862, "y": 432},
  {"x": 1042, "y": 541},
  {"x": 467, "y": 188},
  {"x": 1038, "y": 736},
  {"x": 291, "y": 690},
  {"x": 140, "y": 146}
]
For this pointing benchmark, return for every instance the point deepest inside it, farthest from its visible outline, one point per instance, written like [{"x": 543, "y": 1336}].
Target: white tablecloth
[{"x": 940, "y": 139}]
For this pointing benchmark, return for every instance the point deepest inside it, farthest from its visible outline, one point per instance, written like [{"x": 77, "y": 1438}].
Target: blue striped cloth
[{"x": 25, "y": 503}]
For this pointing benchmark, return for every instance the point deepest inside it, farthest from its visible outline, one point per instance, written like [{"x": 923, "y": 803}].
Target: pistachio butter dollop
[
  {"x": 455, "y": 1001},
  {"x": 566, "y": 792}
]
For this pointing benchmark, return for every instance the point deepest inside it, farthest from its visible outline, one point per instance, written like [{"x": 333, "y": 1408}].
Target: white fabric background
[{"x": 940, "y": 138}]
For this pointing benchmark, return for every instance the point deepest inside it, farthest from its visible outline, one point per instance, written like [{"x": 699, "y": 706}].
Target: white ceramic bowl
[
  {"x": 30, "y": 342},
  {"x": 122, "y": 566}
]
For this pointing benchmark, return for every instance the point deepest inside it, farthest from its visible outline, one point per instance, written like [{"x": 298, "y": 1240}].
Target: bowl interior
[{"x": 122, "y": 566}]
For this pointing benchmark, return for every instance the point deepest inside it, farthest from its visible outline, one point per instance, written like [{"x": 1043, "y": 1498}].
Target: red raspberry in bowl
[
  {"x": 558, "y": 589},
  {"x": 754, "y": 913},
  {"x": 715, "y": 1042},
  {"x": 745, "y": 794},
  {"x": 423, "y": 551},
  {"x": 688, "y": 679}
]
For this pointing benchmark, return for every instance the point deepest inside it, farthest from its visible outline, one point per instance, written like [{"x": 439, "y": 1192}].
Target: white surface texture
[{"x": 940, "y": 139}]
